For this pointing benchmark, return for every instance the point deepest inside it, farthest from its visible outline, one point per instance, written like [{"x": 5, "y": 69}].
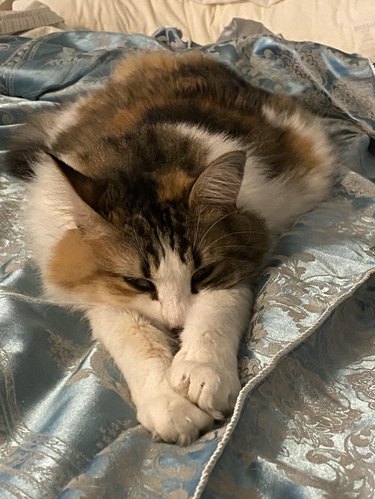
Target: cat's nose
[{"x": 176, "y": 330}]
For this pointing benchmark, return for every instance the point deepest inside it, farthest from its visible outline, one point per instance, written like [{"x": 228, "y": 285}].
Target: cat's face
[
  {"x": 154, "y": 246},
  {"x": 144, "y": 218}
]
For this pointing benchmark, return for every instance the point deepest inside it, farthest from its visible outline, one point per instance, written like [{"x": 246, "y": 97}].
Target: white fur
[
  {"x": 47, "y": 220},
  {"x": 278, "y": 201},
  {"x": 217, "y": 143},
  {"x": 173, "y": 283},
  {"x": 205, "y": 368},
  {"x": 62, "y": 120},
  {"x": 141, "y": 352}
]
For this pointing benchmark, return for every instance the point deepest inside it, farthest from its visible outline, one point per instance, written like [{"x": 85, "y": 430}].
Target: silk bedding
[{"x": 303, "y": 425}]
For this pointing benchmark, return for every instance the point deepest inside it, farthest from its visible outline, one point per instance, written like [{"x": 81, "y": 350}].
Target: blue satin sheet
[{"x": 304, "y": 424}]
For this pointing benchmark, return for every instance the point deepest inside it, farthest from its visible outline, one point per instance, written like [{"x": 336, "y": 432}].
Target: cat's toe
[
  {"x": 211, "y": 388},
  {"x": 172, "y": 418}
]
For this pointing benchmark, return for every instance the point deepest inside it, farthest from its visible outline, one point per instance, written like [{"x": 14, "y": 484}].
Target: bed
[{"x": 303, "y": 425}]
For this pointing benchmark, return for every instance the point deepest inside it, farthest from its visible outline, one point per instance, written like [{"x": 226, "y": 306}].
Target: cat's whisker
[
  {"x": 232, "y": 246},
  {"x": 215, "y": 223},
  {"x": 232, "y": 234},
  {"x": 197, "y": 226},
  {"x": 222, "y": 258}
]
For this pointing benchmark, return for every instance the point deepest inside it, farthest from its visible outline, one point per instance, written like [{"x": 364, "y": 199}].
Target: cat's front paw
[
  {"x": 212, "y": 388},
  {"x": 172, "y": 418}
]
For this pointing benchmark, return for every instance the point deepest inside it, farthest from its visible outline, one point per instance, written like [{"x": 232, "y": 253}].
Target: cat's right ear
[
  {"x": 88, "y": 189},
  {"x": 220, "y": 181}
]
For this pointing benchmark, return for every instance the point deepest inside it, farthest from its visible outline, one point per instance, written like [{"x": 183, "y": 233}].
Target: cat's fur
[{"x": 178, "y": 173}]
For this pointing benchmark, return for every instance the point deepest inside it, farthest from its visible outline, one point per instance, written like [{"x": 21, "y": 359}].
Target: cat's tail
[
  {"x": 28, "y": 141},
  {"x": 25, "y": 146}
]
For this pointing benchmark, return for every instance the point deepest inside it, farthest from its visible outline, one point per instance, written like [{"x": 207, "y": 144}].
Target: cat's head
[{"x": 155, "y": 222}]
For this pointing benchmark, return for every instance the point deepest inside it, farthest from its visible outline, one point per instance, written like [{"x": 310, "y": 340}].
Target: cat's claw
[
  {"x": 210, "y": 387},
  {"x": 172, "y": 418}
]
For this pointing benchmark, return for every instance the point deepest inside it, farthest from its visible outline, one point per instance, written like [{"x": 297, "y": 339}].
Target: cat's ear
[
  {"x": 88, "y": 189},
  {"x": 220, "y": 181}
]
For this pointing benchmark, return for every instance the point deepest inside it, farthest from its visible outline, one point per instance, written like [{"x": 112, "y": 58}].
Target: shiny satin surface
[{"x": 304, "y": 422}]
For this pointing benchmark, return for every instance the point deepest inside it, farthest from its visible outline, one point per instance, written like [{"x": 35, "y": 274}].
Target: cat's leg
[
  {"x": 205, "y": 369},
  {"x": 143, "y": 355}
]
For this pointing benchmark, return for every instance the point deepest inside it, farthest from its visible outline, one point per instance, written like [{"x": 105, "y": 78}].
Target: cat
[{"x": 152, "y": 206}]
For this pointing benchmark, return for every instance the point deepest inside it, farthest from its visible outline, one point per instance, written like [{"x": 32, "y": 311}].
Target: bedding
[
  {"x": 303, "y": 425},
  {"x": 348, "y": 25}
]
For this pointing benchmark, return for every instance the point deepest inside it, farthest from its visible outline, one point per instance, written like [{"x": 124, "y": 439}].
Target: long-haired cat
[{"x": 152, "y": 204}]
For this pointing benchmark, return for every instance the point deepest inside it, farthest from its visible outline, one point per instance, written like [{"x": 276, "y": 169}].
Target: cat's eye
[
  {"x": 202, "y": 274},
  {"x": 140, "y": 284}
]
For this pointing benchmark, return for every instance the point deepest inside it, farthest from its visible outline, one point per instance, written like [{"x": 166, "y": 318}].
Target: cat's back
[
  {"x": 191, "y": 87},
  {"x": 170, "y": 115},
  {"x": 151, "y": 97}
]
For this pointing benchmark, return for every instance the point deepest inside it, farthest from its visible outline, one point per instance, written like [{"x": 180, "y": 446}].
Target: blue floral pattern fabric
[{"x": 303, "y": 425}]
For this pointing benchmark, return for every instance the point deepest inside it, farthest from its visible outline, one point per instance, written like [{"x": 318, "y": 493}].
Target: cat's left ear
[
  {"x": 88, "y": 189},
  {"x": 220, "y": 181}
]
